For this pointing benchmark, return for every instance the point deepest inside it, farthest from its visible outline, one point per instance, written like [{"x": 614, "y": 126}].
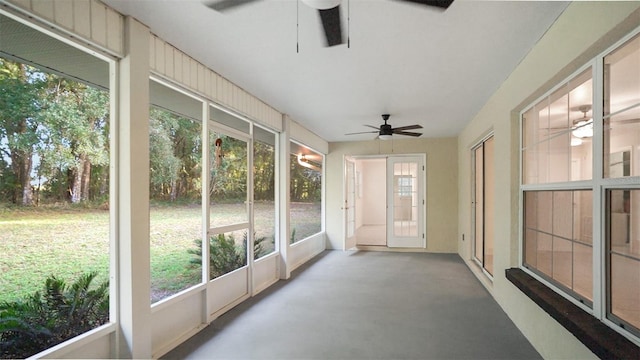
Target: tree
[
  {"x": 163, "y": 164},
  {"x": 20, "y": 86},
  {"x": 75, "y": 135}
]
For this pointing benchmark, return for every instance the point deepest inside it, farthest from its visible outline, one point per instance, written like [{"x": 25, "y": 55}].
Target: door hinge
[
  {"x": 423, "y": 235},
  {"x": 422, "y": 167},
  {"x": 422, "y": 201}
]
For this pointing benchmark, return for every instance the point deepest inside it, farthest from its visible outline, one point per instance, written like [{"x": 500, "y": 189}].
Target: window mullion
[{"x": 599, "y": 263}]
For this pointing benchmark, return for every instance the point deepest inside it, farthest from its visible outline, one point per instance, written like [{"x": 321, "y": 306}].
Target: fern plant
[
  {"x": 44, "y": 319},
  {"x": 224, "y": 255}
]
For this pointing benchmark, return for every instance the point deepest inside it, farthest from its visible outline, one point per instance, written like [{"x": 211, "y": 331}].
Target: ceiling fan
[
  {"x": 385, "y": 131},
  {"x": 328, "y": 10}
]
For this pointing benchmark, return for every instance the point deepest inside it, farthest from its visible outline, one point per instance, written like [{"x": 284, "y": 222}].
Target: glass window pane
[
  {"x": 562, "y": 261},
  {"x": 305, "y": 192},
  {"x": 264, "y": 165},
  {"x": 583, "y": 270},
  {"x": 622, "y": 77},
  {"x": 562, "y": 214},
  {"x": 228, "y": 252},
  {"x": 228, "y": 183},
  {"x": 622, "y": 144},
  {"x": 583, "y": 216},
  {"x": 557, "y": 237},
  {"x": 479, "y": 202},
  {"x": 175, "y": 190},
  {"x": 489, "y": 207},
  {"x": 544, "y": 253},
  {"x": 557, "y": 134},
  {"x": 623, "y": 244},
  {"x": 54, "y": 196}
]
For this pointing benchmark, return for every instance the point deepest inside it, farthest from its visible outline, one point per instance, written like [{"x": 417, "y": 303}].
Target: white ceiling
[{"x": 422, "y": 65}]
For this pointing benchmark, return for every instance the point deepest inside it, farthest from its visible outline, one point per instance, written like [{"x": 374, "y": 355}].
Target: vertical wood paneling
[
  {"x": 82, "y": 18},
  {"x": 201, "y": 78},
  {"x": 177, "y": 66},
  {"x": 63, "y": 12},
  {"x": 25, "y": 4},
  {"x": 159, "y": 55},
  {"x": 99, "y": 23},
  {"x": 193, "y": 72},
  {"x": 152, "y": 53},
  {"x": 215, "y": 79},
  {"x": 87, "y": 19},
  {"x": 186, "y": 74},
  {"x": 207, "y": 82},
  {"x": 43, "y": 8},
  {"x": 114, "y": 31},
  {"x": 168, "y": 60}
]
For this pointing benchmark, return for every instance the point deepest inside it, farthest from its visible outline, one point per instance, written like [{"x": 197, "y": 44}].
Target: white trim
[
  {"x": 228, "y": 228},
  {"x": 598, "y": 185}
]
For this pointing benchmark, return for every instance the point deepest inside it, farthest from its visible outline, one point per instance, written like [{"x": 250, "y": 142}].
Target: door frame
[
  {"x": 421, "y": 208},
  {"x": 423, "y": 219}
]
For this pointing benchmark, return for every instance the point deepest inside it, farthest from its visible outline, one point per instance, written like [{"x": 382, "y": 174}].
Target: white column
[
  {"x": 283, "y": 196},
  {"x": 134, "y": 304}
]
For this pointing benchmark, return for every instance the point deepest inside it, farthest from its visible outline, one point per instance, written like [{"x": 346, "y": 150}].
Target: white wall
[
  {"x": 580, "y": 33},
  {"x": 374, "y": 202}
]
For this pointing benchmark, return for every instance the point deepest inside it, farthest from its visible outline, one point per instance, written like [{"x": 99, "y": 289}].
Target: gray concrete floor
[{"x": 366, "y": 305}]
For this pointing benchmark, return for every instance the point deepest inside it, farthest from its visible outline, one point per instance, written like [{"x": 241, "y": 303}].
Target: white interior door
[
  {"x": 405, "y": 202},
  {"x": 350, "y": 203}
]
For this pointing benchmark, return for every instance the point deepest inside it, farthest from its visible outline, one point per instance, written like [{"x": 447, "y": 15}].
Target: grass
[{"x": 69, "y": 241}]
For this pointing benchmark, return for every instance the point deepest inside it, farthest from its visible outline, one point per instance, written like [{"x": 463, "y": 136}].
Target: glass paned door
[
  {"x": 229, "y": 231},
  {"x": 350, "y": 203},
  {"x": 405, "y": 210},
  {"x": 483, "y": 204}
]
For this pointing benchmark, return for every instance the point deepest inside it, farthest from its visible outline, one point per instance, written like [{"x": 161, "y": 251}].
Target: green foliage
[
  {"x": 54, "y": 134},
  {"x": 224, "y": 255},
  {"x": 306, "y": 184},
  {"x": 175, "y": 156},
  {"x": 60, "y": 312}
]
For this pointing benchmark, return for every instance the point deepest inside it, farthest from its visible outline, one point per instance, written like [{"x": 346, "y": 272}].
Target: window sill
[{"x": 603, "y": 341}]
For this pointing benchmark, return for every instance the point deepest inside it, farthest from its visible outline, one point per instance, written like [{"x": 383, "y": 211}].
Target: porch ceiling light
[
  {"x": 583, "y": 129},
  {"x": 303, "y": 161}
]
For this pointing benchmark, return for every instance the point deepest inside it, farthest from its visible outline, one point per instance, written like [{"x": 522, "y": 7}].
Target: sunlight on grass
[{"x": 37, "y": 243}]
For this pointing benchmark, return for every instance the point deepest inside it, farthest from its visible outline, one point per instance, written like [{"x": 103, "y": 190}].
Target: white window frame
[{"x": 598, "y": 184}]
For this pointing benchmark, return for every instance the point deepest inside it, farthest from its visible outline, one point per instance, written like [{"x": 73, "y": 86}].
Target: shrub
[
  {"x": 224, "y": 255},
  {"x": 42, "y": 320}
]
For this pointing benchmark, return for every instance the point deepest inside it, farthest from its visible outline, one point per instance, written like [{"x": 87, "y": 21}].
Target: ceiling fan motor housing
[{"x": 385, "y": 129}]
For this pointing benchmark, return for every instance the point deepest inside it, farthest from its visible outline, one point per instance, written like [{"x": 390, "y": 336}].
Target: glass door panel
[
  {"x": 405, "y": 202},
  {"x": 229, "y": 211}
]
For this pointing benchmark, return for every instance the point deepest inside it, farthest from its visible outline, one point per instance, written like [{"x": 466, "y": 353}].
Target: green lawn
[{"x": 38, "y": 242}]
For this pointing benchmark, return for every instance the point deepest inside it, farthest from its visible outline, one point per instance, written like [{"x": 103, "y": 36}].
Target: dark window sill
[{"x": 594, "y": 334}]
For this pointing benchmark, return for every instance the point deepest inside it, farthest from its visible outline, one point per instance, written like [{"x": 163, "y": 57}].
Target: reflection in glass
[
  {"x": 622, "y": 144},
  {"x": 557, "y": 237},
  {"x": 622, "y": 77},
  {"x": 305, "y": 192},
  {"x": 405, "y": 204},
  {"x": 484, "y": 203},
  {"x": 553, "y": 150},
  {"x": 623, "y": 248}
]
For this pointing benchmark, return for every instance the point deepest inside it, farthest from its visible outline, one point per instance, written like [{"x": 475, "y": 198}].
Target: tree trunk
[
  {"x": 76, "y": 184},
  {"x": 85, "y": 179},
  {"x": 21, "y": 163}
]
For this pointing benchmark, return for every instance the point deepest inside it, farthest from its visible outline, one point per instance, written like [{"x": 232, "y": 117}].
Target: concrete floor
[{"x": 366, "y": 305}]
